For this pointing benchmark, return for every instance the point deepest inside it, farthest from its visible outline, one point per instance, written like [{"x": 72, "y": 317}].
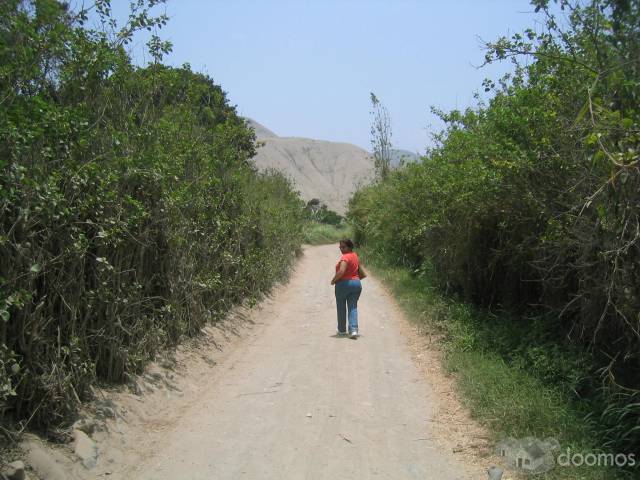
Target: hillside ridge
[{"x": 322, "y": 169}]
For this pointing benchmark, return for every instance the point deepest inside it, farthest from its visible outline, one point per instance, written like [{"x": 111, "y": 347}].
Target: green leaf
[
  {"x": 36, "y": 268},
  {"x": 582, "y": 112}
]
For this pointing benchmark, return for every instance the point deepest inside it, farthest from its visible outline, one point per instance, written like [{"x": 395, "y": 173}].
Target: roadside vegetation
[
  {"x": 322, "y": 225},
  {"x": 321, "y": 234},
  {"x": 519, "y": 232},
  {"x": 506, "y": 384},
  {"x": 130, "y": 213}
]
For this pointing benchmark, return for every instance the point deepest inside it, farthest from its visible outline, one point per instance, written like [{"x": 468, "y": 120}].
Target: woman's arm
[{"x": 340, "y": 272}]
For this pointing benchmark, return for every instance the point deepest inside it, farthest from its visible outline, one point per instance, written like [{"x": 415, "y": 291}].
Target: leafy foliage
[
  {"x": 531, "y": 203},
  {"x": 317, "y": 211},
  {"x": 130, "y": 213},
  {"x": 323, "y": 233}
]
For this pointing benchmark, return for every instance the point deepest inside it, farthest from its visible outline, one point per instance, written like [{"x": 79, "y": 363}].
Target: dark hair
[{"x": 347, "y": 242}]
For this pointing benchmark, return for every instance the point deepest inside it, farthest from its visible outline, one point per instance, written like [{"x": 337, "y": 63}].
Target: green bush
[
  {"x": 530, "y": 204},
  {"x": 321, "y": 233},
  {"x": 316, "y": 211},
  {"x": 488, "y": 355},
  {"x": 131, "y": 214}
]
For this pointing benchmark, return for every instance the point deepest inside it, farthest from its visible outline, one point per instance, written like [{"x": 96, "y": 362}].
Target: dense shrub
[
  {"x": 531, "y": 202},
  {"x": 316, "y": 211},
  {"x": 130, "y": 212}
]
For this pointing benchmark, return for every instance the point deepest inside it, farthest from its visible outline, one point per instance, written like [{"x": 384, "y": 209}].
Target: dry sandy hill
[{"x": 328, "y": 171}]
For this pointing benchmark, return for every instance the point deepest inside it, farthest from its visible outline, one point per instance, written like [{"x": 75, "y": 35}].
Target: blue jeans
[{"x": 347, "y": 294}]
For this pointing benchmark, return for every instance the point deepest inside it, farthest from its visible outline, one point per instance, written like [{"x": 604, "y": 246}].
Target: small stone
[
  {"x": 14, "y": 471},
  {"x": 85, "y": 449},
  {"x": 309, "y": 415},
  {"x": 168, "y": 364},
  {"x": 106, "y": 412},
  {"x": 172, "y": 386},
  {"x": 209, "y": 360},
  {"x": 105, "y": 409},
  {"x": 85, "y": 425},
  {"x": 136, "y": 388},
  {"x": 149, "y": 387},
  {"x": 154, "y": 378},
  {"x": 494, "y": 473}
]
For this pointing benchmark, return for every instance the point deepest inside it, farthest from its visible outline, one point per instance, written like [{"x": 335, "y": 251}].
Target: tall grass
[
  {"x": 130, "y": 213},
  {"x": 513, "y": 391},
  {"x": 530, "y": 202},
  {"x": 316, "y": 233}
]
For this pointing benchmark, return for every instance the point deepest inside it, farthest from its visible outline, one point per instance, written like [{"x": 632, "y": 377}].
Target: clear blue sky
[{"x": 305, "y": 68}]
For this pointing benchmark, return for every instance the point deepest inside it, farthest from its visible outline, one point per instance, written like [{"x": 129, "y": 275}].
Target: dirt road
[{"x": 294, "y": 401}]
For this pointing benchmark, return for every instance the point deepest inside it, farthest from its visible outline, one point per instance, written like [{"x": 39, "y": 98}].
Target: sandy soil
[{"x": 282, "y": 397}]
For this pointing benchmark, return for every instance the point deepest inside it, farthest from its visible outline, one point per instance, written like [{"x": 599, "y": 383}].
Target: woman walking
[{"x": 347, "y": 288}]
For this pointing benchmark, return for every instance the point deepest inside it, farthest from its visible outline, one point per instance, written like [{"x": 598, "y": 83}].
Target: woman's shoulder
[{"x": 349, "y": 256}]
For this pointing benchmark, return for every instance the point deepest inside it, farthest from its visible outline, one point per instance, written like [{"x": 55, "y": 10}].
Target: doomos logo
[
  {"x": 568, "y": 459},
  {"x": 535, "y": 456}
]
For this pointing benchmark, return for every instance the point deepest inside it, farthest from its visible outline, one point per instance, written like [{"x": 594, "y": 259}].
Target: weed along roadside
[
  {"x": 123, "y": 230},
  {"x": 518, "y": 233},
  {"x": 494, "y": 382},
  {"x": 322, "y": 225}
]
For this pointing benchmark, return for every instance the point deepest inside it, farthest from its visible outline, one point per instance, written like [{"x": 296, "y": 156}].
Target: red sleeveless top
[{"x": 351, "y": 273}]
